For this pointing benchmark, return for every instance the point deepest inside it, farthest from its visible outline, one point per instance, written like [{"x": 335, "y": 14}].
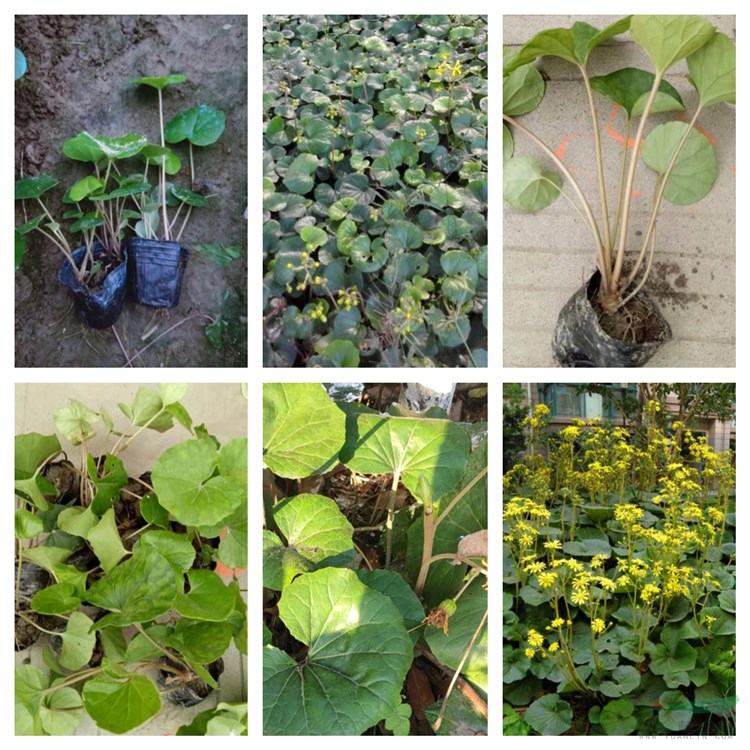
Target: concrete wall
[
  {"x": 222, "y": 408},
  {"x": 548, "y": 255}
]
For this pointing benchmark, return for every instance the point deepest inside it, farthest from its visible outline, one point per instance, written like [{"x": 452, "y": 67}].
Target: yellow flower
[
  {"x": 546, "y": 579},
  {"x": 535, "y": 567},
  {"x": 530, "y": 653},
  {"x": 598, "y": 625},
  {"x": 580, "y": 597},
  {"x": 534, "y": 639},
  {"x": 597, "y": 561},
  {"x": 554, "y": 647},
  {"x": 554, "y": 544}
]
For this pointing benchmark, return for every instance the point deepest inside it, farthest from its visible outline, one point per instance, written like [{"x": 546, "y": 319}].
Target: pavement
[{"x": 549, "y": 254}]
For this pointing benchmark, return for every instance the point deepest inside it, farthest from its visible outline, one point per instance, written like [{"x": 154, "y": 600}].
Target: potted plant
[
  {"x": 157, "y": 259},
  {"x": 121, "y": 572},
  {"x": 96, "y": 270},
  {"x": 610, "y": 321}
]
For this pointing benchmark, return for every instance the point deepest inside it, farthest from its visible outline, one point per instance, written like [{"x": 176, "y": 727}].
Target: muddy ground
[{"x": 78, "y": 79}]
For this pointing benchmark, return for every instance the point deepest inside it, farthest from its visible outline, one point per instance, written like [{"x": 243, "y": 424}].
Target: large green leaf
[
  {"x": 694, "y": 171},
  {"x": 617, "y": 717},
  {"x": 184, "y": 482},
  {"x": 60, "y": 712},
  {"x": 676, "y": 710},
  {"x": 523, "y": 89},
  {"x": 450, "y": 648},
  {"x": 574, "y": 44},
  {"x": 33, "y": 187},
  {"x": 434, "y": 450},
  {"x": 119, "y": 705},
  {"x": 201, "y": 642},
  {"x": 159, "y": 155},
  {"x": 160, "y": 82},
  {"x": 299, "y": 176},
  {"x": 175, "y": 548},
  {"x": 526, "y": 187},
  {"x": 75, "y": 421},
  {"x": 78, "y": 642},
  {"x": 31, "y": 451},
  {"x": 104, "y": 539},
  {"x": 630, "y": 88},
  {"x": 108, "y": 481},
  {"x": 667, "y": 660},
  {"x": 549, "y": 715},
  {"x": 201, "y": 125},
  {"x": 233, "y": 545},
  {"x": 667, "y": 39},
  {"x": 27, "y": 524},
  {"x": 56, "y": 599},
  {"x": 137, "y": 590},
  {"x": 314, "y": 528},
  {"x": 624, "y": 680},
  {"x": 712, "y": 70},
  {"x": 208, "y": 598},
  {"x": 400, "y": 593},
  {"x": 303, "y": 430},
  {"x": 359, "y": 653}
]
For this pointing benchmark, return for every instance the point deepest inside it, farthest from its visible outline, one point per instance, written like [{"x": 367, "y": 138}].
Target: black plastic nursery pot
[
  {"x": 155, "y": 271},
  {"x": 100, "y": 309},
  {"x": 580, "y": 341}
]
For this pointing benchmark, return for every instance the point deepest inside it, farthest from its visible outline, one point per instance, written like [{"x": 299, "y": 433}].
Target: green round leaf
[
  {"x": 186, "y": 486},
  {"x": 27, "y": 524},
  {"x": 625, "y": 679},
  {"x": 523, "y": 90},
  {"x": 208, "y": 598},
  {"x": 676, "y": 710},
  {"x": 119, "y": 705},
  {"x": 526, "y": 187},
  {"x": 161, "y": 155},
  {"x": 78, "y": 642},
  {"x": 617, "y": 717},
  {"x": 303, "y": 430},
  {"x": 83, "y": 147},
  {"x": 298, "y": 178},
  {"x": 359, "y": 653},
  {"x": 175, "y": 548},
  {"x": 712, "y": 70},
  {"x": 630, "y": 88},
  {"x": 550, "y": 715},
  {"x": 667, "y": 39},
  {"x": 314, "y": 528},
  {"x": 33, "y": 187},
  {"x": 56, "y": 599},
  {"x": 137, "y": 590},
  {"x": 694, "y": 171},
  {"x": 188, "y": 196},
  {"x": 201, "y": 125},
  {"x": 159, "y": 82}
]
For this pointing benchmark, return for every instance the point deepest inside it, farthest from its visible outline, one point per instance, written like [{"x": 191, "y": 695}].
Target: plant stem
[
  {"x": 460, "y": 666},
  {"x": 660, "y": 195},
  {"x": 389, "y": 519},
  {"x": 31, "y": 622},
  {"x": 171, "y": 656},
  {"x": 620, "y": 258},
  {"x": 599, "y": 169},
  {"x": 164, "y": 333},
  {"x": 72, "y": 680},
  {"x": 192, "y": 169},
  {"x": 591, "y": 221},
  {"x": 428, "y": 540},
  {"x": 163, "y": 170},
  {"x": 621, "y": 181}
]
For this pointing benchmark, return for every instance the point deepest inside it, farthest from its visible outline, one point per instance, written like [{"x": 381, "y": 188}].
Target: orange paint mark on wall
[
  {"x": 561, "y": 149},
  {"x": 636, "y": 194},
  {"x": 708, "y": 135},
  {"x": 612, "y": 133}
]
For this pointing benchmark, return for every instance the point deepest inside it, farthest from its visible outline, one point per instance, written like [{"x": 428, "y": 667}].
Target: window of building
[{"x": 568, "y": 400}]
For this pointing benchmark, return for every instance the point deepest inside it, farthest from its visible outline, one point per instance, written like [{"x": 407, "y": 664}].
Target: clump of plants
[
  {"x": 117, "y": 205},
  {"x": 619, "y": 582},
  {"x": 120, "y": 574},
  {"x": 375, "y": 190},
  {"x": 610, "y": 322},
  {"x": 374, "y": 569}
]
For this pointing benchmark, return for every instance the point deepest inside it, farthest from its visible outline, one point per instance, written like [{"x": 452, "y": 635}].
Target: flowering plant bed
[{"x": 619, "y": 582}]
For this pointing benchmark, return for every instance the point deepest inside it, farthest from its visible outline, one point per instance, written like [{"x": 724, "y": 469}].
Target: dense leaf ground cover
[
  {"x": 375, "y": 191},
  {"x": 619, "y": 583},
  {"x": 374, "y": 568}
]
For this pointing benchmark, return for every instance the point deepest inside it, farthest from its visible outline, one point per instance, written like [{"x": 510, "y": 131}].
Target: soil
[
  {"x": 188, "y": 692},
  {"x": 80, "y": 68},
  {"x": 633, "y": 323}
]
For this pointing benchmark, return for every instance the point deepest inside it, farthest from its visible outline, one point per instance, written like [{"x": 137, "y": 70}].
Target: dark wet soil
[
  {"x": 633, "y": 323},
  {"x": 78, "y": 79}
]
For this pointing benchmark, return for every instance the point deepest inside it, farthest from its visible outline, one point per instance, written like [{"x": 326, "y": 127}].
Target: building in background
[{"x": 569, "y": 401}]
